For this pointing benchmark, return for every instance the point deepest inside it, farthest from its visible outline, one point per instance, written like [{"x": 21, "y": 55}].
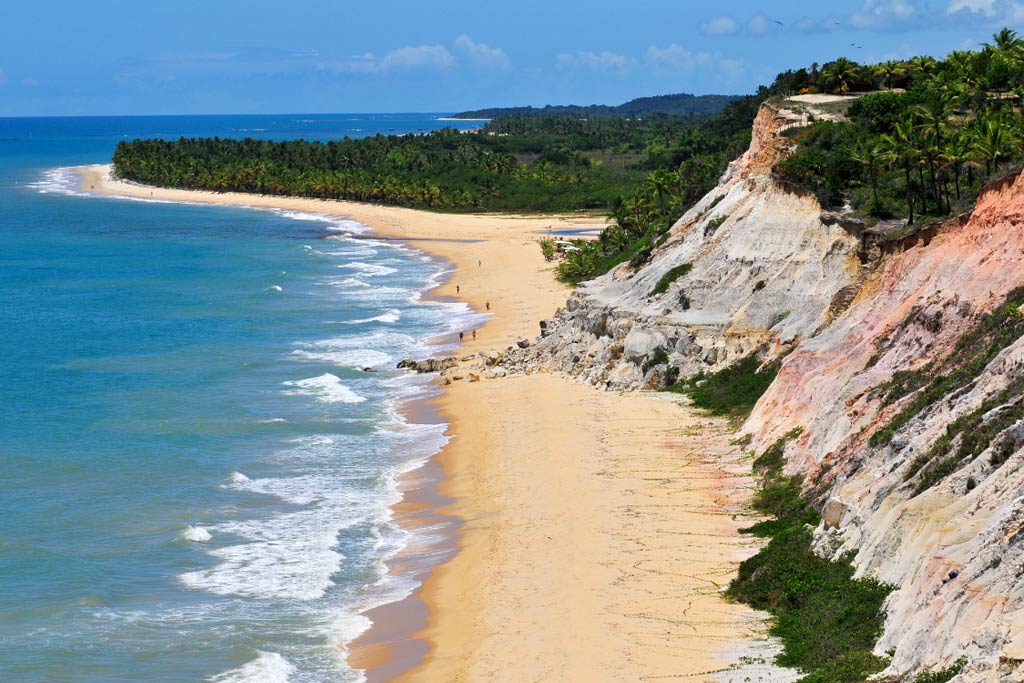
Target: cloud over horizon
[{"x": 720, "y": 26}]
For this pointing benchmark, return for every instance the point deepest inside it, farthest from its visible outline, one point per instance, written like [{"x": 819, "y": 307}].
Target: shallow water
[{"x": 195, "y": 471}]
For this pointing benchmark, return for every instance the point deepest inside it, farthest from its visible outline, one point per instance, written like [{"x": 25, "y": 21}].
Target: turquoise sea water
[{"x": 195, "y": 471}]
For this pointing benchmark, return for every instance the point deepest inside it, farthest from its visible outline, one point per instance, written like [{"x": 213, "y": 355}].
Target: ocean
[{"x": 195, "y": 468}]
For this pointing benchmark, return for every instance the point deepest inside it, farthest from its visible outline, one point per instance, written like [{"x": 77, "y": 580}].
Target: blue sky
[{"x": 59, "y": 57}]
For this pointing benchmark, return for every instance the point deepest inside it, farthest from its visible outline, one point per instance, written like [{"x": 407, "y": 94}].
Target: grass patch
[
  {"x": 827, "y": 620},
  {"x": 671, "y": 276},
  {"x": 659, "y": 357},
  {"x": 733, "y": 390},
  {"x": 973, "y": 352},
  {"x": 966, "y": 438},
  {"x": 714, "y": 202},
  {"x": 714, "y": 224},
  {"x": 943, "y": 675}
]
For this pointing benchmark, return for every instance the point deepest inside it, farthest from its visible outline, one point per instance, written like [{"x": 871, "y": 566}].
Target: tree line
[{"x": 924, "y": 149}]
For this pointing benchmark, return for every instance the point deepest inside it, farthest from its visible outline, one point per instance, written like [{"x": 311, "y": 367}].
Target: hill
[{"x": 681, "y": 104}]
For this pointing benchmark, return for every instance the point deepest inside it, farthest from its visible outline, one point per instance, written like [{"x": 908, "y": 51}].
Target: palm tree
[
  {"x": 957, "y": 153},
  {"x": 661, "y": 183},
  {"x": 934, "y": 113},
  {"x": 899, "y": 147},
  {"x": 887, "y": 71},
  {"x": 841, "y": 74},
  {"x": 1006, "y": 40},
  {"x": 869, "y": 154},
  {"x": 992, "y": 143},
  {"x": 922, "y": 64}
]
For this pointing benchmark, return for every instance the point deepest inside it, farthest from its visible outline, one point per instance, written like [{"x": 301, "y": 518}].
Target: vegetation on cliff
[
  {"x": 731, "y": 391},
  {"x": 828, "y": 620},
  {"x": 968, "y": 436}
]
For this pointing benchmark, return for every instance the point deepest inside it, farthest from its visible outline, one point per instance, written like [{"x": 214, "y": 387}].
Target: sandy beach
[{"x": 596, "y": 529}]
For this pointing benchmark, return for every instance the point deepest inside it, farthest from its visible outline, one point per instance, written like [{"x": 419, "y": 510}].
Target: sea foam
[
  {"x": 268, "y": 667},
  {"x": 60, "y": 181},
  {"x": 196, "y": 534},
  {"x": 325, "y": 388},
  {"x": 370, "y": 269}
]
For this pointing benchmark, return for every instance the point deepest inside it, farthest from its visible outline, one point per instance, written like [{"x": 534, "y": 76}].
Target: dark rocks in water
[
  {"x": 368, "y": 369},
  {"x": 428, "y": 365}
]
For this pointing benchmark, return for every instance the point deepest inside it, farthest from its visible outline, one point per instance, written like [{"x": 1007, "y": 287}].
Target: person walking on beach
[
  {"x": 488, "y": 305},
  {"x": 460, "y": 337},
  {"x": 474, "y": 335},
  {"x": 457, "y": 289}
]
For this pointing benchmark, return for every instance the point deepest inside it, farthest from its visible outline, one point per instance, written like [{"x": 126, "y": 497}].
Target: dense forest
[
  {"x": 516, "y": 164},
  {"x": 670, "y": 105}
]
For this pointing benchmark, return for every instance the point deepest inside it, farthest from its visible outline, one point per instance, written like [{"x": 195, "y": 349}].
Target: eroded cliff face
[
  {"x": 765, "y": 266},
  {"x": 941, "y": 519},
  {"x": 955, "y": 549}
]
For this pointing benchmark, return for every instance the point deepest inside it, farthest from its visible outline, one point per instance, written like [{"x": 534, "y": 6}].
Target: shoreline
[{"x": 544, "y": 476}]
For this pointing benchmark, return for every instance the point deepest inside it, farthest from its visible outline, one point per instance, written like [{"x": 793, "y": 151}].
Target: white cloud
[
  {"x": 483, "y": 55},
  {"x": 417, "y": 57},
  {"x": 601, "y": 61},
  {"x": 720, "y": 26},
  {"x": 993, "y": 12},
  {"x": 403, "y": 58},
  {"x": 986, "y": 7},
  {"x": 760, "y": 25},
  {"x": 883, "y": 15},
  {"x": 676, "y": 56}
]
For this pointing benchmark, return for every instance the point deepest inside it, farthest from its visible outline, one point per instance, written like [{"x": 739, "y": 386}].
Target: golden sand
[{"x": 597, "y": 528}]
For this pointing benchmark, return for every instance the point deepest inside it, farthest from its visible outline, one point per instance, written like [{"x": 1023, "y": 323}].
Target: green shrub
[
  {"x": 714, "y": 224},
  {"x": 659, "y": 357},
  {"x": 943, "y": 675},
  {"x": 714, "y": 202},
  {"x": 547, "y": 247},
  {"x": 733, "y": 390},
  {"x": 671, "y": 276},
  {"x": 759, "y": 285},
  {"x": 771, "y": 459},
  {"x": 975, "y": 435},
  {"x": 827, "y": 620}
]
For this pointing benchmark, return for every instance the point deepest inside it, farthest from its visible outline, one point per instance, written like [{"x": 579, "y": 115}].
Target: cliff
[
  {"x": 905, "y": 371},
  {"x": 766, "y": 265}
]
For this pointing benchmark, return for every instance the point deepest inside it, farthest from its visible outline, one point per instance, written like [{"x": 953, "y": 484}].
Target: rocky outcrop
[
  {"x": 765, "y": 267},
  {"x": 427, "y": 365}
]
